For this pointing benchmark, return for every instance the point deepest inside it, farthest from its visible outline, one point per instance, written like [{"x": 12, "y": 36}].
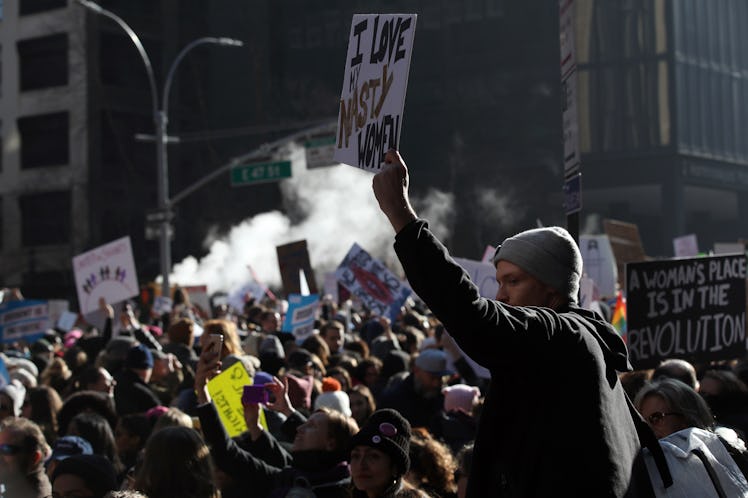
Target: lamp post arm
[
  {"x": 177, "y": 60},
  {"x": 98, "y": 9}
]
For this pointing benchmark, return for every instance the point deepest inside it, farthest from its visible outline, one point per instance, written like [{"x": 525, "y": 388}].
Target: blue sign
[
  {"x": 573, "y": 194},
  {"x": 23, "y": 320},
  {"x": 300, "y": 316}
]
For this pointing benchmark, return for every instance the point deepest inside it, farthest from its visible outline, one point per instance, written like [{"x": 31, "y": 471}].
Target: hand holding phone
[
  {"x": 255, "y": 394},
  {"x": 214, "y": 344}
]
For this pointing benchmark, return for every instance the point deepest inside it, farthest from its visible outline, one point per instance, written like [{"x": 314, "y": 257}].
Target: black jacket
[
  {"x": 555, "y": 420},
  {"x": 132, "y": 395},
  {"x": 267, "y": 469}
]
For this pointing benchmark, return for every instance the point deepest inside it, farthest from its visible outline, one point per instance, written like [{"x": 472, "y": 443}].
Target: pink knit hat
[{"x": 460, "y": 397}]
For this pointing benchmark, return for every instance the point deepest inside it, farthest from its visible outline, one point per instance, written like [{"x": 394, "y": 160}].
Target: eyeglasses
[
  {"x": 10, "y": 449},
  {"x": 657, "y": 417}
]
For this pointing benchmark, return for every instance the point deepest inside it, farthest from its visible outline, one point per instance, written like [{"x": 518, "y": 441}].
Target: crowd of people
[{"x": 373, "y": 407}]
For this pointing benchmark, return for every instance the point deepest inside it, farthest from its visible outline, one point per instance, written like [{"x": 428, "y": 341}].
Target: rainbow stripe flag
[{"x": 619, "y": 315}]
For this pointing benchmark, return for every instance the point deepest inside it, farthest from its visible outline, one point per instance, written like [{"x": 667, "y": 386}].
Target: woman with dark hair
[
  {"x": 42, "y": 405},
  {"x": 130, "y": 437},
  {"x": 669, "y": 405},
  {"x": 176, "y": 463},
  {"x": 96, "y": 430},
  {"x": 86, "y": 401},
  {"x": 94, "y": 378},
  {"x": 362, "y": 403}
]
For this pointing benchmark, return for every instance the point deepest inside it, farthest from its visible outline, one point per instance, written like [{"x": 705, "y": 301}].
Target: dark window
[
  {"x": 43, "y": 62},
  {"x": 45, "y": 218},
  {"x": 33, "y": 6},
  {"x": 44, "y": 140}
]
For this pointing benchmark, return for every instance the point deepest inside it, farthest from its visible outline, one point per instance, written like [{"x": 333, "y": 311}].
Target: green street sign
[{"x": 248, "y": 174}]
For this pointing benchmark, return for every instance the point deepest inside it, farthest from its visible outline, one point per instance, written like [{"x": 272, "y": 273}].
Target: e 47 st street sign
[{"x": 247, "y": 174}]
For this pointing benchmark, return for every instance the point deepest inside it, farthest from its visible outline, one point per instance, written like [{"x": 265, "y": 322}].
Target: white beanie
[
  {"x": 334, "y": 400},
  {"x": 17, "y": 393}
]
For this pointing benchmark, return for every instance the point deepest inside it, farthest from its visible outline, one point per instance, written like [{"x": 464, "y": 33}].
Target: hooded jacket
[{"x": 555, "y": 420}]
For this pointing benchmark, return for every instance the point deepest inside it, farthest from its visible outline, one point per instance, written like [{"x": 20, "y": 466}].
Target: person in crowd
[
  {"x": 96, "y": 430},
  {"x": 176, "y": 463},
  {"x": 333, "y": 333},
  {"x": 727, "y": 397},
  {"x": 56, "y": 375},
  {"x": 432, "y": 465},
  {"x": 534, "y": 319},
  {"x": 181, "y": 335},
  {"x": 22, "y": 454},
  {"x": 12, "y": 397},
  {"x": 269, "y": 321},
  {"x": 368, "y": 372},
  {"x": 167, "y": 377},
  {"x": 464, "y": 462},
  {"x": 341, "y": 375},
  {"x": 419, "y": 396},
  {"x": 89, "y": 476},
  {"x": 683, "y": 422},
  {"x": 675, "y": 368},
  {"x": 318, "y": 453},
  {"x": 668, "y": 407},
  {"x": 173, "y": 417},
  {"x": 132, "y": 394},
  {"x": 64, "y": 447},
  {"x": 456, "y": 424},
  {"x": 86, "y": 401},
  {"x": 380, "y": 456},
  {"x": 362, "y": 403},
  {"x": 42, "y": 406},
  {"x": 93, "y": 378},
  {"x": 130, "y": 436}
]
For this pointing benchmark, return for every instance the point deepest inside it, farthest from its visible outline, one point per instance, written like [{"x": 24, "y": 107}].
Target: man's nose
[{"x": 501, "y": 295}]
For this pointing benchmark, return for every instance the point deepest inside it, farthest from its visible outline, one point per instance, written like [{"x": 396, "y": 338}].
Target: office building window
[
  {"x": 43, "y": 62},
  {"x": 45, "y": 218},
  {"x": 44, "y": 140},
  {"x": 26, "y": 7}
]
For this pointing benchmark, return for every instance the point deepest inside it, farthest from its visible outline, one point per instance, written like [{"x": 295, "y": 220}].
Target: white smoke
[{"x": 331, "y": 208}]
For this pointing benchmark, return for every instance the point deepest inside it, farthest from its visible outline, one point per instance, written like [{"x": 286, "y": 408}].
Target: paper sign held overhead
[
  {"x": 599, "y": 263},
  {"x": 23, "y": 320},
  {"x": 375, "y": 81},
  {"x": 107, "y": 271},
  {"x": 226, "y": 391},
  {"x": 292, "y": 258},
  {"x": 686, "y": 246},
  {"x": 372, "y": 283},
  {"x": 483, "y": 275},
  {"x": 302, "y": 311}
]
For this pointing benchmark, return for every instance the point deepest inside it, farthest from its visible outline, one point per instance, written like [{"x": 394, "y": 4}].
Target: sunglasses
[
  {"x": 10, "y": 449},
  {"x": 657, "y": 417}
]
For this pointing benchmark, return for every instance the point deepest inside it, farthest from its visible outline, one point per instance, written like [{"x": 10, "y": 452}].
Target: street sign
[
  {"x": 247, "y": 174},
  {"x": 152, "y": 231},
  {"x": 319, "y": 152},
  {"x": 573, "y": 194},
  {"x": 157, "y": 216}
]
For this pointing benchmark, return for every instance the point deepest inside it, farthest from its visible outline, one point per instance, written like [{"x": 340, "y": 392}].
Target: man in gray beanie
[{"x": 555, "y": 420}]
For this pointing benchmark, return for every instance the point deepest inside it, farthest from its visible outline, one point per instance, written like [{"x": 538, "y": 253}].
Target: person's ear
[{"x": 37, "y": 457}]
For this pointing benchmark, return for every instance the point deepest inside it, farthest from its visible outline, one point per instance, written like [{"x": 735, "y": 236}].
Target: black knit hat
[
  {"x": 387, "y": 431},
  {"x": 97, "y": 472}
]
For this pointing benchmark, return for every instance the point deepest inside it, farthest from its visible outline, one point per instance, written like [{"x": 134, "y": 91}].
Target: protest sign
[
  {"x": 23, "y": 320},
  {"x": 198, "y": 296},
  {"x": 688, "y": 308},
  {"x": 293, "y": 257},
  {"x": 599, "y": 263},
  {"x": 626, "y": 244},
  {"x": 226, "y": 390},
  {"x": 586, "y": 292},
  {"x": 686, "y": 246},
  {"x": 67, "y": 321},
  {"x": 162, "y": 305},
  {"x": 4, "y": 374},
  {"x": 107, "y": 271},
  {"x": 300, "y": 315},
  {"x": 331, "y": 287},
  {"x": 374, "y": 85},
  {"x": 729, "y": 247},
  {"x": 372, "y": 283},
  {"x": 483, "y": 275},
  {"x": 488, "y": 254},
  {"x": 56, "y": 307}
]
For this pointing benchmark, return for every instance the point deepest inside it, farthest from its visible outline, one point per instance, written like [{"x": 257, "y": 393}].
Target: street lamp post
[{"x": 161, "y": 120}]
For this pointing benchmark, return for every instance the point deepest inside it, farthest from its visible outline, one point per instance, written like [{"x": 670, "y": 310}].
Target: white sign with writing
[
  {"x": 686, "y": 246},
  {"x": 483, "y": 275},
  {"x": 375, "y": 81},
  {"x": 599, "y": 263},
  {"x": 107, "y": 271}
]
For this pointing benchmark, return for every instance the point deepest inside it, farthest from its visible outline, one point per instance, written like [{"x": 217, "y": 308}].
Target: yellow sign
[{"x": 226, "y": 390}]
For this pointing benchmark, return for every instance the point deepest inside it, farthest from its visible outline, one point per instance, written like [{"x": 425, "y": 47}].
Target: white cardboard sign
[
  {"x": 483, "y": 275},
  {"x": 686, "y": 246},
  {"x": 599, "y": 263},
  {"x": 107, "y": 271},
  {"x": 375, "y": 81}
]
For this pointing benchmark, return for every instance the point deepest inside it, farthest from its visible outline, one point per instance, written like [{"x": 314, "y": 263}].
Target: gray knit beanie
[{"x": 549, "y": 254}]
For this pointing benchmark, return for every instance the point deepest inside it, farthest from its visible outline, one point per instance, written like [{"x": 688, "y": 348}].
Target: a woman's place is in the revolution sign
[
  {"x": 686, "y": 308},
  {"x": 374, "y": 85}
]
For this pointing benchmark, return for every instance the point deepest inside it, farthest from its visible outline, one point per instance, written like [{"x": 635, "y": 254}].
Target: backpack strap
[
  {"x": 647, "y": 439},
  {"x": 711, "y": 472}
]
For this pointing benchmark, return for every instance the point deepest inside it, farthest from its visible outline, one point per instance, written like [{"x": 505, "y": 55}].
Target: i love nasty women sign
[
  {"x": 692, "y": 309},
  {"x": 374, "y": 84}
]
